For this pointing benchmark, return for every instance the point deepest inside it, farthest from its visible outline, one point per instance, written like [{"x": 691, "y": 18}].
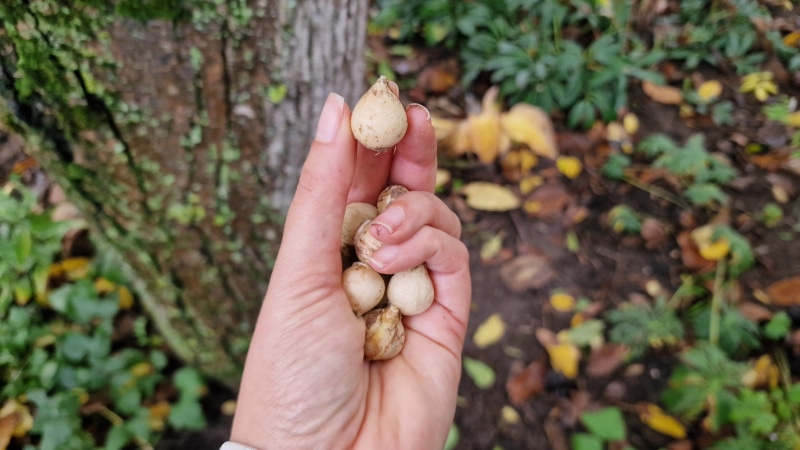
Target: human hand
[{"x": 306, "y": 383}]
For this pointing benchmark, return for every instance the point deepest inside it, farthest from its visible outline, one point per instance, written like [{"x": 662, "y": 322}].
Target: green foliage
[
  {"x": 624, "y": 220},
  {"x": 716, "y": 33},
  {"x": 57, "y": 352},
  {"x": 643, "y": 326},
  {"x": 778, "y": 327},
  {"x": 521, "y": 44},
  {"x": 607, "y": 423},
  {"x": 28, "y": 242},
  {"x": 700, "y": 172},
  {"x": 737, "y": 335}
]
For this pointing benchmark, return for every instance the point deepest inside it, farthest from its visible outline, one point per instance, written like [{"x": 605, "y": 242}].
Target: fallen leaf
[
  {"x": 481, "y": 373},
  {"x": 555, "y": 435},
  {"x": 485, "y": 196},
  {"x": 763, "y": 374},
  {"x": 484, "y": 136},
  {"x": 709, "y": 91},
  {"x": 785, "y": 292},
  {"x": 712, "y": 250},
  {"x": 655, "y": 418},
  {"x": 490, "y": 331},
  {"x": 546, "y": 337},
  {"x": 630, "y": 122},
  {"x": 665, "y": 94},
  {"x": 562, "y": 302},
  {"x": 125, "y": 297},
  {"x": 547, "y": 201},
  {"x": 654, "y": 232},
  {"x": 15, "y": 419},
  {"x": 531, "y": 126},
  {"x": 564, "y": 359},
  {"x": 526, "y": 271},
  {"x": 754, "y": 312},
  {"x": 528, "y": 383},
  {"x": 604, "y": 360},
  {"x": 690, "y": 254},
  {"x": 443, "y": 177},
  {"x": 492, "y": 247},
  {"x": 569, "y": 166},
  {"x": 792, "y": 39},
  {"x": 436, "y": 79},
  {"x": 7, "y": 425},
  {"x": 528, "y": 184},
  {"x": 509, "y": 415},
  {"x": 75, "y": 268}
]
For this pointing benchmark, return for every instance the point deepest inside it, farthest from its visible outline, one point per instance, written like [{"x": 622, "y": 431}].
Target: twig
[{"x": 657, "y": 191}]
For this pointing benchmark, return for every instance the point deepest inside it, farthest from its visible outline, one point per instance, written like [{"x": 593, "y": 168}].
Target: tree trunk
[{"x": 178, "y": 128}]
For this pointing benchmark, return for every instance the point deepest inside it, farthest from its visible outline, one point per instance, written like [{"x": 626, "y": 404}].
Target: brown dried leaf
[
  {"x": 785, "y": 292},
  {"x": 436, "y": 79},
  {"x": 606, "y": 359},
  {"x": 547, "y": 202},
  {"x": 665, "y": 94},
  {"x": 528, "y": 383},
  {"x": 555, "y": 435},
  {"x": 755, "y": 312},
  {"x": 654, "y": 232},
  {"x": 690, "y": 254},
  {"x": 526, "y": 272},
  {"x": 7, "y": 425}
]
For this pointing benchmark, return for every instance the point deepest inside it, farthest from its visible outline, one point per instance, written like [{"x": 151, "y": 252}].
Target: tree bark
[{"x": 179, "y": 132}]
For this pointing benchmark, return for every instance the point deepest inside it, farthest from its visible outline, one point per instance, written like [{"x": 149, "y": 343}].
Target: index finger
[{"x": 414, "y": 163}]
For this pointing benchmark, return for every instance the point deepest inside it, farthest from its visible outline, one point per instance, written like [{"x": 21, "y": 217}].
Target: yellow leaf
[
  {"x": 489, "y": 103},
  {"x": 443, "y": 127},
  {"x": 564, "y": 358},
  {"x": 103, "y": 286},
  {"x": 510, "y": 415},
  {"x": 793, "y": 119},
  {"x": 484, "y": 136},
  {"x": 485, "y": 196},
  {"x": 668, "y": 95},
  {"x": 492, "y": 247},
  {"x": 532, "y": 206},
  {"x": 442, "y": 178},
  {"x": 490, "y": 331},
  {"x": 17, "y": 417},
  {"x": 570, "y": 166},
  {"x": 709, "y": 90},
  {"x": 531, "y": 126},
  {"x": 631, "y": 123},
  {"x": 528, "y": 184},
  {"x": 655, "y": 418},
  {"x": 710, "y": 250},
  {"x": 158, "y": 415},
  {"x": 761, "y": 84},
  {"x": 792, "y": 39},
  {"x": 562, "y": 302},
  {"x": 141, "y": 369},
  {"x": 125, "y": 300},
  {"x": 527, "y": 161},
  {"x": 75, "y": 268}
]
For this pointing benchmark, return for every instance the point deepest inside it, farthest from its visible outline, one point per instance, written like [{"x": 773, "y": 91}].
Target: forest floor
[{"x": 569, "y": 246}]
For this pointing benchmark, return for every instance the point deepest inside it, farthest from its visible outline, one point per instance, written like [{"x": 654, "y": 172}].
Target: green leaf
[
  {"x": 452, "y": 438},
  {"x": 778, "y": 327},
  {"x": 187, "y": 414},
  {"x": 583, "y": 441},
  {"x": 706, "y": 194},
  {"x": 189, "y": 382},
  {"x": 117, "y": 437},
  {"x": 614, "y": 168},
  {"x": 481, "y": 373},
  {"x": 607, "y": 424}
]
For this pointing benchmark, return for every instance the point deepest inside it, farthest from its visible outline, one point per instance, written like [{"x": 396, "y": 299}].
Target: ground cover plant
[{"x": 627, "y": 174}]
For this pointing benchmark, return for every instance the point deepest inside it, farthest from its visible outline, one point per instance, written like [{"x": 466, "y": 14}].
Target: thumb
[{"x": 312, "y": 232}]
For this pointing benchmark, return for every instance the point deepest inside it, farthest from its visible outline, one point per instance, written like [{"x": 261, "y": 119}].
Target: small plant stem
[
  {"x": 677, "y": 298},
  {"x": 716, "y": 302},
  {"x": 657, "y": 191},
  {"x": 115, "y": 419}
]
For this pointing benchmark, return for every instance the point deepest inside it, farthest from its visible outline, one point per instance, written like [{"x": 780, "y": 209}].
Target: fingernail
[
  {"x": 417, "y": 105},
  {"x": 329, "y": 119},
  {"x": 384, "y": 256},
  {"x": 390, "y": 219}
]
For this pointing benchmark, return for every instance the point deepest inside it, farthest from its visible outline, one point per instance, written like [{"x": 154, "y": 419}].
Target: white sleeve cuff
[{"x": 234, "y": 446}]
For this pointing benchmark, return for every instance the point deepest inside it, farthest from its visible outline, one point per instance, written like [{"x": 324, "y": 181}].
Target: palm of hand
[{"x": 307, "y": 383}]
